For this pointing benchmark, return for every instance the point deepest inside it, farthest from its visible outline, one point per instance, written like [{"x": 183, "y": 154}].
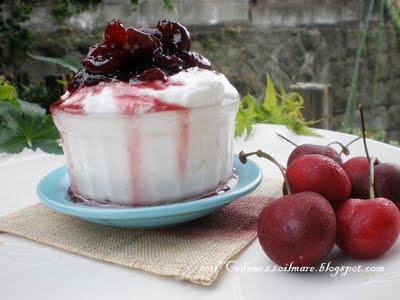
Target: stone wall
[
  {"x": 324, "y": 54},
  {"x": 305, "y": 40}
]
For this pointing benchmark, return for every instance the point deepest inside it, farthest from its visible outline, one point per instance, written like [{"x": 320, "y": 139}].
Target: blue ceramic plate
[{"x": 53, "y": 191}]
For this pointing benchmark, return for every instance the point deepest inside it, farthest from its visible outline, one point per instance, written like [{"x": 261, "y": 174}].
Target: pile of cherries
[
  {"x": 145, "y": 54},
  {"x": 354, "y": 204}
]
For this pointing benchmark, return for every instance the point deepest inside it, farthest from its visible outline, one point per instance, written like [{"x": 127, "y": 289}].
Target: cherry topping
[
  {"x": 167, "y": 61},
  {"x": 103, "y": 58},
  {"x": 194, "y": 59},
  {"x": 152, "y": 31},
  {"x": 152, "y": 74},
  {"x": 140, "y": 45},
  {"x": 143, "y": 54},
  {"x": 174, "y": 35},
  {"x": 114, "y": 33}
]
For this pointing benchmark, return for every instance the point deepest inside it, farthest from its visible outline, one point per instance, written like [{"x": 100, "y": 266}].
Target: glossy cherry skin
[
  {"x": 319, "y": 174},
  {"x": 367, "y": 228},
  {"x": 387, "y": 183},
  {"x": 174, "y": 35},
  {"x": 103, "y": 58},
  {"x": 140, "y": 46},
  {"x": 114, "y": 33},
  {"x": 131, "y": 55},
  {"x": 299, "y": 229},
  {"x": 307, "y": 149},
  {"x": 355, "y": 167},
  {"x": 194, "y": 59}
]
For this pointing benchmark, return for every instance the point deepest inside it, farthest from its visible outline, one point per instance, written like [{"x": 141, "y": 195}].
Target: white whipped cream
[{"x": 189, "y": 88}]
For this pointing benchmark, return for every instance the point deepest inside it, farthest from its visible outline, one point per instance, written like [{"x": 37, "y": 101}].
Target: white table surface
[{"x": 29, "y": 270}]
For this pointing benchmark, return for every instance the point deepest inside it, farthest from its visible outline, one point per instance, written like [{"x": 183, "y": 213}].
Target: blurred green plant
[
  {"x": 62, "y": 9},
  {"x": 393, "y": 8},
  {"x": 362, "y": 36},
  {"x": 24, "y": 124},
  {"x": 277, "y": 108},
  {"x": 15, "y": 39},
  {"x": 379, "y": 37},
  {"x": 74, "y": 67}
]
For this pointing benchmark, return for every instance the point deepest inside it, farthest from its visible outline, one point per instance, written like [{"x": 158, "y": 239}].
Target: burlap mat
[{"x": 196, "y": 251}]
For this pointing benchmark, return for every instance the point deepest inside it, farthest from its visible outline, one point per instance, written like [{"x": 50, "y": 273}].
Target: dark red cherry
[
  {"x": 194, "y": 59},
  {"x": 298, "y": 229},
  {"x": 386, "y": 183},
  {"x": 140, "y": 46},
  {"x": 174, "y": 35},
  {"x": 103, "y": 58},
  {"x": 152, "y": 31},
  {"x": 367, "y": 228},
  {"x": 167, "y": 61},
  {"x": 307, "y": 149},
  {"x": 319, "y": 174},
  {"x": 114, "y": 33},
  {"x": 151, "y": 75}
]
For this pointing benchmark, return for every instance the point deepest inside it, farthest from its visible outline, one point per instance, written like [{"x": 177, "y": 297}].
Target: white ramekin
[{"x": 155, "y": 158}]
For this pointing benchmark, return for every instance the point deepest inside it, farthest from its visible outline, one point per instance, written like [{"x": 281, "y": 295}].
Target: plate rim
[{"x": 165, "y": 210}]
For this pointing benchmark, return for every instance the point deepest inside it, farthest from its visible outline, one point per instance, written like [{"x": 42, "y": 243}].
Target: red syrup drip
[
  {"x": 75, "y": 107},
  {"x": 70, "y": 164},
  {"x": 157, "y": 85},
  {"x": 183, "y": 142},
  {"x": 134, "y": 160},
  {"x": 126, "y": 94},
  {"x": 222, "y": 188}
]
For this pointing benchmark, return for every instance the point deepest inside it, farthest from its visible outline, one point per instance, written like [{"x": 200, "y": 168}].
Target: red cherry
[
  {"x": 114, "y": 33},
  {"x": 307, "y": 149},
  {"x": 367, "y": 228},
  {"x": 166, "y": 61},
  {"x": 140, "y": 46},
  {"x": 131, "y": 54},
  {"x": 194, "y": 59},
  {"x": 174, "y": 35},
  {"x": 103, "y": 58},
  {"x": 386, "y": 182},
  {"x": 151, "y": 75},
  {"x": 356, "y": 167},
  {"x": 319, "y": 174},
  {"x": 298, "y": 229}
]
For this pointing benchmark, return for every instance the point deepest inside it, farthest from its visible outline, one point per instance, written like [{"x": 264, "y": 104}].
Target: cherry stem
[
  {"x": 360, "y": 108},
  {"x": 345, "y": 150},
  {"x": 350, "y": 143},
  {"x": 287, "y": 140},
  {"x": 372, "y": 178},
  {"x": 243, "y": 158}
]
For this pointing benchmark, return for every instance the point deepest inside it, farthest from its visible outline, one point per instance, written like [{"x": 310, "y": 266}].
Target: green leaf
[
  {"x": 270, "y": 102},
  {"x": 58, "y": 61},
  {"x": 8, "y": 92},
  {"x": 284, "y": 108},
  {"x": 169, "y": 5},
  {"x": 27, "y": 127}
]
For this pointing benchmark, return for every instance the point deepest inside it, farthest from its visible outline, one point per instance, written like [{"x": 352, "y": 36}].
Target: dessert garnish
[
  {"x": 138, "y": 55},
  {"x": 298, "y": 229}
]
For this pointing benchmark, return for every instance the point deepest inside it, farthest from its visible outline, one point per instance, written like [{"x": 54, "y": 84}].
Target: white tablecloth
[{"x": 29, "y": 270}]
